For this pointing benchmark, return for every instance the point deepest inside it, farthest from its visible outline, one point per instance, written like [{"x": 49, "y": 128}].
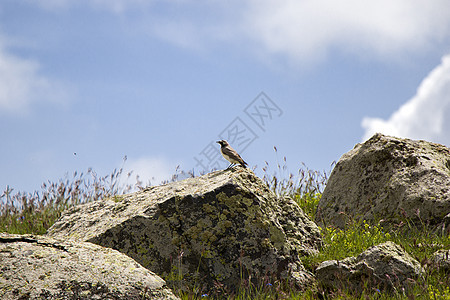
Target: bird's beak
[{"x": 218, "y": 142}]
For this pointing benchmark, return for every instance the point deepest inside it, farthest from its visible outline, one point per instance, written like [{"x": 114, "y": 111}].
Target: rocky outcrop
[
  {"x": 391, "y": 179},
  {"x": 37, "y": 267},
  {"x": 441, "y": 260},
  {"x": 386, "y": 267},
  {"x": 209, "y": 232}
]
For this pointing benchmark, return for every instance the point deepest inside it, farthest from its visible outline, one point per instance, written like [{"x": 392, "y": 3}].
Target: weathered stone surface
[
  {"x": 441, "y": 260},
  {"x": 211, "y": 231},
  {"x": 38, "y": 267},
  {"x": 385, "y": 267},
  {"x": 388, "y": 178}
]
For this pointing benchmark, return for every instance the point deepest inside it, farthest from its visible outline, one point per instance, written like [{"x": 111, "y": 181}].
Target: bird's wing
[{"x": 231, "y": 152}]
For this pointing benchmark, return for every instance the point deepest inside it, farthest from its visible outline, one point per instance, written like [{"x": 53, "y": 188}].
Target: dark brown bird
[{"x": 230, "y": 154}]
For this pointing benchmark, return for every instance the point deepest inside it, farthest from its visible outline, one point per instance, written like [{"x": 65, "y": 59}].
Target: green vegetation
[{"x": 36, "y": 212}]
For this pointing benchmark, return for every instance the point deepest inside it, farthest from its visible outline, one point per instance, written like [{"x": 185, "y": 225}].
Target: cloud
[
  {"x": 309, "y": 29},
  {"x": 301, "y": 30},
  {"x": 425, "y": 116},
  {"x": 21, "y": 84},
  {"x": 150, "y": 169}
]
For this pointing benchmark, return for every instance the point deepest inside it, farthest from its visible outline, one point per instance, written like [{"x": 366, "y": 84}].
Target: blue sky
[{"x": 85, "y": 83}]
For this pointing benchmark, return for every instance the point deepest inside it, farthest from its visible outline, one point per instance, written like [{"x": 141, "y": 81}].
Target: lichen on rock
[
  {"x": 209, "y": 231},
  {"x": 389, "y": 179},
  {"x": 385, "y": 267},
  {"x": 38, "y": 267}
]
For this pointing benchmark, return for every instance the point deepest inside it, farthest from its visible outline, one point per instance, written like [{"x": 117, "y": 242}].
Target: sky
[{"x": 86, "y": 83}]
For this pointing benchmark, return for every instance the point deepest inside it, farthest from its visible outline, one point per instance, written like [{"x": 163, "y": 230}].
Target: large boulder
[
  {"x": 207, "y": 233},
  {"x": 391, "y": 179},
  {"x": 38, "y": 267},
  {"x": 386, "y": 267}
]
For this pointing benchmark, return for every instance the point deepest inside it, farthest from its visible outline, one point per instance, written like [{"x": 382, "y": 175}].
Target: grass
[{"x": 35, "y": 212}]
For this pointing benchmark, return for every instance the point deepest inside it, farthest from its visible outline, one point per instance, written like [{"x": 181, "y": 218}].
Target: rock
[
  {"x": 441, "y": 260},
  {"x": 38, "y": 267},
  {"x": 391, "y": 179},
  {"x": 211, "y": 231},
  {"x": 386, "y": 267}
]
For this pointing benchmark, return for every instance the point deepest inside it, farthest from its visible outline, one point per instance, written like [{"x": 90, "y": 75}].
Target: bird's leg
[{"x": 229, "y": 166}]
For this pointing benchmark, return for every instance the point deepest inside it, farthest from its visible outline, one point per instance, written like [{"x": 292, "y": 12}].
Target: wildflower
[{"x": 204, "y": 295}]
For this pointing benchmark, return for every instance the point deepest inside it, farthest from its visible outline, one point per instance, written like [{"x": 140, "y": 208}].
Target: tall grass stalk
[
  {"x": 35, "y": 212},
  {"x": 284, "y": 183}
]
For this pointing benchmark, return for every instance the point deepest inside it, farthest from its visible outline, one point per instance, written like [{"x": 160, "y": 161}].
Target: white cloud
[
  {"x": 309, "y": 29},
  {"x": 425, "y": 116},
  {"x": 150, "y": 169},
  {"x": 302, "y": 30},
  {"x": 21, "y": 84}
]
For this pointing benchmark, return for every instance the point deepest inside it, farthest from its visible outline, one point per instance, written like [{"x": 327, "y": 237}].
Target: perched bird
[{"x": 230, "y": 154}]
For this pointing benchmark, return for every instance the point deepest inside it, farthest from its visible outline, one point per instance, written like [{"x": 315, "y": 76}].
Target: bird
[{"x": 230, "y": 154}]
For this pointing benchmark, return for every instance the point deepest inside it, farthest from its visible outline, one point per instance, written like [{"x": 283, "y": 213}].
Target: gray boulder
[
  {"x": 386, "y": 267},
  {"x": 207, "y": 233},
  {"x": 38, "y": 267},
  {"x": 391, "y": 179},
  {"x": 441, "y": 260}
]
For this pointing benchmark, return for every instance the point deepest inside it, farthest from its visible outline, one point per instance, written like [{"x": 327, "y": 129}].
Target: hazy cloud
[
  {"x": 21, "y": 84},
  {"x": 150, "y": 169},
  {"x": 115, "y": 6},
  {"x": 301, "y": 30},
  {"x": 425, "y": 116}
]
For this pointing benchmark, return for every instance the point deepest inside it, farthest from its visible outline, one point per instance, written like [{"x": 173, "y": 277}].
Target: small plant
[{"x": 308, "y": 203}]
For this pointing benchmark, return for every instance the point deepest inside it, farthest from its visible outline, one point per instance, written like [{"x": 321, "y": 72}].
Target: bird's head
[{"x": 222, "y": 143}]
